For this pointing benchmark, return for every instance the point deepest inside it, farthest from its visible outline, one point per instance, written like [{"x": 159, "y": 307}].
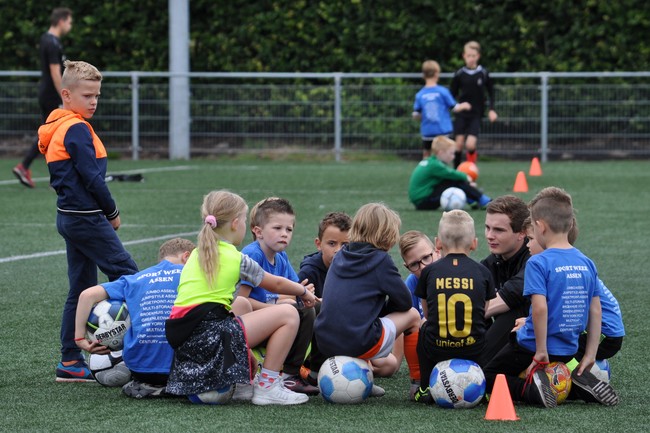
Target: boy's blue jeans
[{"x": 91, "y": 243}]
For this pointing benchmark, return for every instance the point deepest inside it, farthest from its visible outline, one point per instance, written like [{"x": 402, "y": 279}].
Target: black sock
[{"x": 458, "y": 158}]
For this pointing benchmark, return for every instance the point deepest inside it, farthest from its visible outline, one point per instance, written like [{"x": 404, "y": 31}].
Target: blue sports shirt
[
  {"x": 411, "y": 283},
  {"x": 612, "y": 318},
  {"x": 281, "y": 268},
  {"x": 568, "y": 279},
  {"x": 149, "y": 296},
  {"x": 434, "y": 103}
]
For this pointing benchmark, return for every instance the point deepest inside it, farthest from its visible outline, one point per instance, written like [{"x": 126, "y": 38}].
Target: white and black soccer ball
[
  {"x": 109, "y": 370},
  {"x": 457, "y": 384},
  {"x": 108, "y": 323},
  {"x": 345, "y": 380},
  {"x": 218, "y": 396},
  {"x": 453, "y": 198}
]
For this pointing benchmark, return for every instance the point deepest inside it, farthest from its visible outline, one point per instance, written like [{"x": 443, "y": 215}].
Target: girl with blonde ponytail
[{"x": 210, "y": 341}]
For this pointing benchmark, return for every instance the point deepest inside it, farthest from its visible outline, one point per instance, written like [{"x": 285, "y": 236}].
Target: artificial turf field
[{"x": 613, "y": 207}]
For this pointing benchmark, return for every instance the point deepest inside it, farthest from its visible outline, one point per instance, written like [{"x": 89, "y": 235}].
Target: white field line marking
[
  {"x": 59, "y": 252},
  {"x": 144, "y": 170},
  {"x": 125, "y": 225}
]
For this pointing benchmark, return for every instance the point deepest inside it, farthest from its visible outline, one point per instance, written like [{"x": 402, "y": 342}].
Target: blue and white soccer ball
[
  {"x": 345, "y": 380},
  {"x": 109, "y": 370},
  {"x": 457, "y": 384},
  {"x": 602, "y": 370},
  {"x": 453, "y": 198},
  {"x": 108, "y": 323},
  {"x": 218, "y": 396}
]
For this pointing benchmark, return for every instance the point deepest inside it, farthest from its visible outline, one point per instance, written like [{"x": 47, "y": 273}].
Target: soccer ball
[
  {"x": 109, "y": 370},
  {"x": 457, "y": 384},
  {"x": 559, "y": 376},
  {"x": 219, "y": 396},
  {"x": 107, "y": 323},
  {"x": 453, "y": 198},
  {"x": 345, "y": 380},
  {"x": 469, "y": 168},
  {"x": 602, "y": 370}
]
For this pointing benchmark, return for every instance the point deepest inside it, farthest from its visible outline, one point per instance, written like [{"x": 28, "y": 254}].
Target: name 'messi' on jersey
[{"x": 455, "y": 283}]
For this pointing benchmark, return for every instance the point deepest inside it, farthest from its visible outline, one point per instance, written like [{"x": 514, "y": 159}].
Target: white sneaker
[
  {"x": 243, "y": 392},
  {"x": 276, "y": 394}
]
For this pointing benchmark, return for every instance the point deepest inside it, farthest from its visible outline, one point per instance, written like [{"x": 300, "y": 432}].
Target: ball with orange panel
[{"x": 469, "y": 168}]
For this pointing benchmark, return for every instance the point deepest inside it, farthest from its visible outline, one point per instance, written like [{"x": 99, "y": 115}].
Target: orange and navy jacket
[{"x": 76, "y": 159}]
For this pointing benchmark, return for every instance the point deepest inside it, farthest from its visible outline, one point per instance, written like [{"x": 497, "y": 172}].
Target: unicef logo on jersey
[{"x": 469, "y": 341}]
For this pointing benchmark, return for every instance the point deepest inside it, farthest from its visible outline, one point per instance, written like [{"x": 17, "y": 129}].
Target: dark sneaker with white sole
[
  {"x": 135, "y": 389},
  {"x": 541, "y": 391},
  {"x": 297, "y": 384},
  {"x": 77, "y": 372},
  {"x": 592, "y": 389}
]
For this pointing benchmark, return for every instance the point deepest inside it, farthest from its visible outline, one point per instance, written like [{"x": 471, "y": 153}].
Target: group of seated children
[
  {"x": 229, "y": 301},
  {"x": 221, "y": 302}
]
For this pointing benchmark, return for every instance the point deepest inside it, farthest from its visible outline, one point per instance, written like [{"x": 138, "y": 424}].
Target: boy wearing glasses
[
  {"x": 457, "y": 291},
  {"x": 417, "y": 251}
]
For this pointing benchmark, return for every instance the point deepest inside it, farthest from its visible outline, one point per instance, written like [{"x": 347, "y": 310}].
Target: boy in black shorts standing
[
  {"x": 456, "y": 291},
  {"x": 469, "y": 85}
]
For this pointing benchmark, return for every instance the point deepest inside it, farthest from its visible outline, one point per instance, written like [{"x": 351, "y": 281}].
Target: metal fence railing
[{"x": 555, "y": 115}]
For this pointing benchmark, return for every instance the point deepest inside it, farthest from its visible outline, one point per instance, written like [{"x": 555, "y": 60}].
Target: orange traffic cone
[
  {"x": 500, "y": 407},
  {"x": 535, "y": 168},
  {"x": 520, "y": 183}
]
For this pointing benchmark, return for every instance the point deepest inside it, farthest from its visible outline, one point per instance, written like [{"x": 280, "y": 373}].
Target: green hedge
[{"x": 342, "y": 35}]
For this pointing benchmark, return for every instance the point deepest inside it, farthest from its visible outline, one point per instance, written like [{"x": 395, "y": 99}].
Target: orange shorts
[{"x": 384, "y": 345}]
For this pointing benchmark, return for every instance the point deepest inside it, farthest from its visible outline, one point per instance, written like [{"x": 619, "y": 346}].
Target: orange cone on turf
[
  {"x": 521, "y": 185},
  {"x": 501, "y": 407},
  {"x": 535, "y": 168}
]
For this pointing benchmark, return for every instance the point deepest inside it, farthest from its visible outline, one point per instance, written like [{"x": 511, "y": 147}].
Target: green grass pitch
[{"x": 612, "y": 203}]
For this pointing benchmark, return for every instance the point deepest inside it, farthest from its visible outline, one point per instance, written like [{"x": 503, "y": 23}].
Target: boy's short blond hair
[
  {"x": 174, "y": 247},
  {"x": 554, "y": 206},
  {"x": 472, "y": 45},
  {"x": 456, "y": 229},
  {"x": 263, "y": 209},
  {"x": 442, "y": 143},
  {"x": 410, "y": 239},
  {"x": 430, "y": 69},
  {"x": 376, "y": 224},
  {"x": 78, "y": 71}
]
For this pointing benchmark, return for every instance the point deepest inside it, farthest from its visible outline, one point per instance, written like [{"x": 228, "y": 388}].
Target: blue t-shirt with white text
[
  {"x": 568, "y": 279},
  {"x": 149, "y": 296}
]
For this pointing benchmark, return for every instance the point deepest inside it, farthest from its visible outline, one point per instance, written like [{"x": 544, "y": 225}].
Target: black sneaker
[
  {"x": 422, "y": 396},
  {"x": 540, "y": 390},
  {"x": 139, "y": 390},
  {"x": 591, "y": 389},
  {"x": 311, "y": 377},
  {"x": 296, "y": 383}
]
